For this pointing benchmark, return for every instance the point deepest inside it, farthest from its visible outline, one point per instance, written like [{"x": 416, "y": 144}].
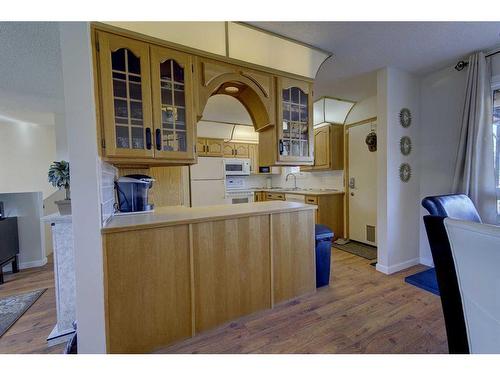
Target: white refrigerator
[{"x": 207, "y": 182}]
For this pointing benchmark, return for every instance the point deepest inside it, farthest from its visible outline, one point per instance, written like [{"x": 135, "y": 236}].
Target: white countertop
[
  {"x": 166, "y": 216},
  {"x": 56, "y": 218},
  {"x": 300, "y": 191}
]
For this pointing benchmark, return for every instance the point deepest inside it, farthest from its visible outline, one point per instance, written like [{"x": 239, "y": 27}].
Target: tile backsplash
[
  {"x": 314, "y": 180},
  {"x": 108, "y": 175}
]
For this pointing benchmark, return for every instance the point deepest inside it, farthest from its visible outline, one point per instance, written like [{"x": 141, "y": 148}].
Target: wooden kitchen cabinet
[
  {"x": 125, "y": 82},
  {"x": 291, "y": 141},
  {"x": 275, "y": 196},
  {"x": 236, "y": 150},
  {"x": 253, "y": 155},
  {"x": 330, "y": 211},
  {"x": 294, "y": 123},
  {"x": 260, "y": 196},
  {"x": 328, "y": 148},
  {"x": 228, "y": 150},
  {"x": 146, "y": 96},
  {"x": 141, "y": 316},
  {"x": 210, "y": 147}
]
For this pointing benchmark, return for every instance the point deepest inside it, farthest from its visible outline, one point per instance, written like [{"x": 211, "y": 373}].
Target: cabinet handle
[
  {"x": 148, "y": 138},
  {"x": 205, "y": 148},
  {"x": 236, "y": 152},
  {"x": 158, "y": 139}
]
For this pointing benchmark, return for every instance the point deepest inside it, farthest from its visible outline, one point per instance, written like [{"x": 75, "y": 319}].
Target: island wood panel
[
  {"x": 294, "y": 260},
  {"x": 148, "y": 292},
  {"x": 232, "y": 271}
]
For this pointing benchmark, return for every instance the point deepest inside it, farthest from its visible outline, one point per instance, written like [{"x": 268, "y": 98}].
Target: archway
[{"x": 256, "y": 100}]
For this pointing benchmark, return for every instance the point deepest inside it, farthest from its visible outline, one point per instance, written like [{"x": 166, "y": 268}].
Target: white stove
[{"x": 237, "y": 190}]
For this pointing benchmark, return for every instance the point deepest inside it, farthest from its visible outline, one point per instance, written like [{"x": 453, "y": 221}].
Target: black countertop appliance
[{"x": 132, "y": 193}]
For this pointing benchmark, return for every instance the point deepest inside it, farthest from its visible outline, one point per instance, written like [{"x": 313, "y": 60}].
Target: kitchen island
[{"x": 179, "y": 271}]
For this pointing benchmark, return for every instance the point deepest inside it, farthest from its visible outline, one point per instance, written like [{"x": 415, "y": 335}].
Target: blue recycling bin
[{"x": 324, "y": 237}]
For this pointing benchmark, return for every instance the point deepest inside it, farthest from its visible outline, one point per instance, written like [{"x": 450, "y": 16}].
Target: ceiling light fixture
[
  {"x": 331, "y": 111},
  {"x": 231, "y": 89}
]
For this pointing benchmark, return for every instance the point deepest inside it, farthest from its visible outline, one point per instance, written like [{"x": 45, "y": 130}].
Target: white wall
[
  {"x": 82, "y": 135},
  {"x": 31, "y": 104},
  {"x": 442, "y": 96},
  {"x": 27, "y": 150},
  {"x": 398, "y": 202},
  {"x": 362, "y": 110},
  {"x": 28, "y": 208}
]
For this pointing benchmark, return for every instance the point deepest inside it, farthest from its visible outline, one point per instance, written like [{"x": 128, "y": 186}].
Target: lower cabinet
[
  {"x": 139, "y": 316},
  {"x": 165, "y": 284},
  {"x": 330, "y": 211}
]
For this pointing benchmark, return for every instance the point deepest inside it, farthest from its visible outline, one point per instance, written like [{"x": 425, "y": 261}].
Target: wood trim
[
  {"x": 271, "y": 261},
  {"x": 346, "y": 183},
  {"x": 191, "y": 280},
  {"x": 362, "y": 122},
  {"x": 97, "y": 93},
  {"x": 194, "y": 51}
]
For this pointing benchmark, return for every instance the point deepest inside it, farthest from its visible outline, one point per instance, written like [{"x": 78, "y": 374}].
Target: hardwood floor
[
  {"x": 29, "y": 333},
  {"x": 362, "y": 311}
]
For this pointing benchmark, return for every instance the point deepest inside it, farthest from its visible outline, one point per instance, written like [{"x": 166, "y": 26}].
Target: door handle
[
  {"x": 158, "y": 139},
  {"x": 148, "y": 138}
]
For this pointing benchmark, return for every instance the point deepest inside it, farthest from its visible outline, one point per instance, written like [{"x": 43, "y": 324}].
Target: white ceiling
[{"x": 362, "y": 47}]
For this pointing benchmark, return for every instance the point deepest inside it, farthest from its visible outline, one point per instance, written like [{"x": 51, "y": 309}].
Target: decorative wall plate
[
  {"x": 371, "y": 141},
  {"x": 405, "y": 145},
  {"x": 405, "y": 117},
  {"x": 405, "y": 172}
]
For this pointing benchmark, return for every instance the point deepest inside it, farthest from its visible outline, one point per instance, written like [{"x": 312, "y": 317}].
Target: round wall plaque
[
  {"x": 405, "y": 145},
  {"x": 405, "y": 117},
  {"x": 405, "y": 172}
]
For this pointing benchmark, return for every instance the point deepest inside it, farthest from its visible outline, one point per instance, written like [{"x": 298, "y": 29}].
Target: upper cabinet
[
  {"x": 146, "y": 96},
  {"x": 173, "y": 114},
  {"x": 150, "y": 97},
  {"x": 295, "y": 131},
  {"x": 328, "y": 148},
  {"x": 125, "y": 84}
]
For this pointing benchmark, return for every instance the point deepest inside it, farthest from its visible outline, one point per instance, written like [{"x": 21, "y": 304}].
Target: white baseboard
[
  {"x": 426, "y": 261},
  {"x": 397, "y": 267},
  {"x": 25, "y": 265}
]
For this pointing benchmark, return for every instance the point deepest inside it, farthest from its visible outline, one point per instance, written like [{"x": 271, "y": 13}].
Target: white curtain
[{"x": 474, "y": 170}]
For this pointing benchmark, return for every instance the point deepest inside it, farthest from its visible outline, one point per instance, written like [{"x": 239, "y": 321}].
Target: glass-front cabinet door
[
  {"x": 295, "y": 133},
  {"x": 126, "y": 96},
  {"x": 172, "y": 88}
]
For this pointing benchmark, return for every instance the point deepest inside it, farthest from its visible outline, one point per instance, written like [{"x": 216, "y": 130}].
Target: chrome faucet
[{"x": 294, "y": 179}]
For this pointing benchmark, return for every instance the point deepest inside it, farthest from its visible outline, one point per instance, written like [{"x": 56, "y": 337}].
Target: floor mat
[
  {"x": 425, "y": 280},
  {"x": 359, "y": 249},
  {"x": 13, "y": 307}
]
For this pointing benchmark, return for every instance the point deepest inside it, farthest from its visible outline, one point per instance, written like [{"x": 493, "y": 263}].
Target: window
[{"x": 496, "y": 143}]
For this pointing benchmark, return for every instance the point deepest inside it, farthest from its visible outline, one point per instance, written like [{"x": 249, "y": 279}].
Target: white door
[{"x": 363, "y": 195}]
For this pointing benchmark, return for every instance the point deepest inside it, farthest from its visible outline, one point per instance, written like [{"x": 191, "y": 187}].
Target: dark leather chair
[{"x": 456, "y": 206}]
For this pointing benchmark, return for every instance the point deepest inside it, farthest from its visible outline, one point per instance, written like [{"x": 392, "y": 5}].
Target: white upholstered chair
[{"x": 476, "y": 253}]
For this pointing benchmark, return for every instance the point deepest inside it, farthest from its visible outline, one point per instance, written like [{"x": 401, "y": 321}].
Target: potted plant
[{"x": 59, "y": 178}]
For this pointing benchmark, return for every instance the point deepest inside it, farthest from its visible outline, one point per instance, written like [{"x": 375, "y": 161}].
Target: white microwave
[{"x": 237, "y": 167}]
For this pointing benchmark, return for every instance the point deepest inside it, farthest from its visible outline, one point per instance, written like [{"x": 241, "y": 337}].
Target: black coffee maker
[{"x": 132, "y": 193}]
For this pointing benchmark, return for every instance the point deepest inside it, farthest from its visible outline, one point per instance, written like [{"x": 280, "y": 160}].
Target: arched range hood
[{"x": 226, "y": 118}]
